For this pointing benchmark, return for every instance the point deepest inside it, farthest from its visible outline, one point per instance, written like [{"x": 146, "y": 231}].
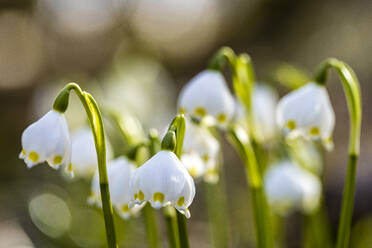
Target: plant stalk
[
  {"x": 353, "y": 96},
  {"x": 96, "y": 125},
  {"x": 239, "y": 138}
]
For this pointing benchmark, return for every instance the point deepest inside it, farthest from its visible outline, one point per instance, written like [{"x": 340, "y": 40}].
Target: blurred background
[{"x": 136, "y": 56}]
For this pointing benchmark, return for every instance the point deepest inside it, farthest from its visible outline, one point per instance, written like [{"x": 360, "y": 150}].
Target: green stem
[
  {"x": 243, "y": 82},
  {"x": 317, "y": 229},
  {"x": 182, "y": 229},
  {"x": 179, "y": 124},
  {"x": 217, "y": 204},
  {"x": 243, "y": 76},
  {"x": 96, "y": 124},
  {"x": 217, "y": 215},
  {"x": 344, "y": 227},
  {"x": 170, "y": 218},
  {"x": 176, "y": 223},
  {"x": 151, "y": 228},
  {"x": 279, "y": 230},
  {"x": 240, "y": 140},
  {"x": 352, "y": 91}
]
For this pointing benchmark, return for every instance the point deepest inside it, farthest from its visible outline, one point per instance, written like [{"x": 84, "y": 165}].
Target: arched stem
[
  {"x": 243, "y": 81},
  {"x": 96, "y": 124},
  {"x": 352, "y": 91}
]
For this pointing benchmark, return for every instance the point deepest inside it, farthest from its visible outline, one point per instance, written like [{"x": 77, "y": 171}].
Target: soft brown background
[{"x": 46, "y": 42}]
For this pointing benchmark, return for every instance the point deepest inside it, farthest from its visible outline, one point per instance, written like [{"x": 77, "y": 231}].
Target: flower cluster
[
  {"x": 163, "y": 180},
  {"x": 191, "y": 149}
]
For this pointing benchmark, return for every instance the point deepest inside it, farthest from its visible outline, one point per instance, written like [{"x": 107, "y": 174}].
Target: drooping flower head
[
  {"x": 288, "y": 187},
  {"x": 47, "y": 139},
  {"x": 163, "y": 180},
  {"x": 200, "y": 152},
  {"x": 307, "y": 111},
  {"x": 120, "y": 172},
  {"x": 207, "y": 96},
  {"x": 83, "y": 153}
]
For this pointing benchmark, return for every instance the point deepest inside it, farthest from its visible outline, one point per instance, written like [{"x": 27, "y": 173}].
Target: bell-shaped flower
[
  {"x": 207, "y": 96},
  {"x": 200, "y": 152},
  {"x": 163, "y": 180},
  {"x": 119, "y": 172},
  {"x": 288, "y": 187},
  {"x": 48, "y": 139},
  {"x": 264, "y": 103},
  {"x": 83, "y": 153},
  {"x": 308, "y": 112}
]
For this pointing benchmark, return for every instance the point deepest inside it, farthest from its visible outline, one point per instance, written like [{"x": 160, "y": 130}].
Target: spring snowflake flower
[
  {"x": 83, "y": 154},
  {"x": 264, "y": 105},
  {"x": 207, "y": 96},
  {"x": 120, "y": 172},
  {"x": 163, "y": 180},
  {"x": 308, "y": 112},
  {"x": 288, "y": 188},
  {"x": 200, "y": 152},
  {"x": 48, "y": 139}
]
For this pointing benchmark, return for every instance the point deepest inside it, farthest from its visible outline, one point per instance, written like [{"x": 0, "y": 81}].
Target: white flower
[
  {"x": 163, "y": 180},
  {"x": 48, "y": 139},
  {"x": 264, "y": 107},
  {"x": 207, "y": 96},
  {"x": 288, "y": 188},
  {"x": 83, "y": 153},
  {"x": 119, "y": 172},
  {"x": 200, "y": 152},
  {"x": 307, "y": 112},
  {"x": 264, "y": 103}
]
